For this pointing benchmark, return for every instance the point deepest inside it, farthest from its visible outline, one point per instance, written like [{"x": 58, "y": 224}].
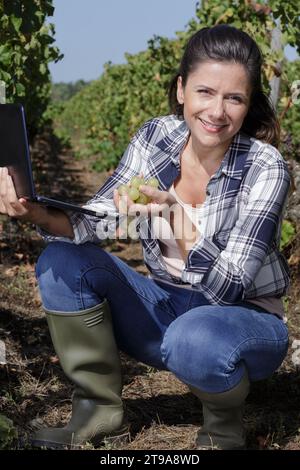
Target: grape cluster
[{"x": 132, "y": 189}]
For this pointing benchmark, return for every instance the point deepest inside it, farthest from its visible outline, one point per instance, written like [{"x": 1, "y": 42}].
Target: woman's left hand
[{"x": 160, "y": 203}]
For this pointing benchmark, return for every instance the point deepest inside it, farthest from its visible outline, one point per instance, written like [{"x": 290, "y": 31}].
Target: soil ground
[{"x": 161, "y": 411}]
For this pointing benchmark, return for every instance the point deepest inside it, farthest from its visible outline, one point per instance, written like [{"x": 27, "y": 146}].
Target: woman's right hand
[{"x": 13, "y": 206}]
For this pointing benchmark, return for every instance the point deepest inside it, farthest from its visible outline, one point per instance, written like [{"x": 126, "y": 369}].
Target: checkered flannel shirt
[{"x": 237, "y": 257}]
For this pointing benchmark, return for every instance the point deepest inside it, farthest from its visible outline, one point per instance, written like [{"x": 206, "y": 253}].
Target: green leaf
[
  {"x": 5, "y": 76},
  {"x": 287, "y": 233},
  {"x": 16, "y": 21},
  {"x": 43, "y": 69},
  {"x": 20, "y": 89}
]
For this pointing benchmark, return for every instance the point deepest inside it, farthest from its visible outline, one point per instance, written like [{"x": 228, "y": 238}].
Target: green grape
[
  {"x": 142, "y": 199},
  {"x": 123, "y": 189},
  {"x": 135, "y": 182},
  {"x": 153, "y": 182},
  {"x": 133, "y": 193},
  {"x": 132, "y": 189}
]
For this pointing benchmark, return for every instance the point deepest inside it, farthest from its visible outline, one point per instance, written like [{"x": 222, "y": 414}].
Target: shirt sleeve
[
  {"x": 230, "y": 263},
  {"x": 89, "y": 228}
]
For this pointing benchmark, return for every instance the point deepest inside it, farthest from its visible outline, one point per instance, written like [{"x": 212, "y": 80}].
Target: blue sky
[{"x": 92, "y": 32}]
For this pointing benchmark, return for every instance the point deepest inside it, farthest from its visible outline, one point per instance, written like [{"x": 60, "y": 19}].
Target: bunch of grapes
[{"x": 132, "y": 189}]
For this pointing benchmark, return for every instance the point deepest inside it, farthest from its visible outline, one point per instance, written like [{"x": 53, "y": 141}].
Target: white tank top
[{"x": 163, "y": 232}]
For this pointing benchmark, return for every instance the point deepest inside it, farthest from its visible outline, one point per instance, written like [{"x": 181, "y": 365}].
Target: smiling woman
[
  {"x": 242, "y": 81},
  {"x": 210, "y": 310},
  {"x": 215, "y": 101}
]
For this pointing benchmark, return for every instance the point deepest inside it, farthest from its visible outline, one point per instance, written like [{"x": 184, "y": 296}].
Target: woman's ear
[{"x": 180, "y": 93}]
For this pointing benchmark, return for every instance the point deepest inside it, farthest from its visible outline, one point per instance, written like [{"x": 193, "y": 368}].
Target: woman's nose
[{"x": 217, "y": 109}]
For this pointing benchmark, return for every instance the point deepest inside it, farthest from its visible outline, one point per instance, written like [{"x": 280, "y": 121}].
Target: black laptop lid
[{"x": 14, "y": 150}]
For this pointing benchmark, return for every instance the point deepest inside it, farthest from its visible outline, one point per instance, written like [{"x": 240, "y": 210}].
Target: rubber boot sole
[{"x": 118, "y": 437}]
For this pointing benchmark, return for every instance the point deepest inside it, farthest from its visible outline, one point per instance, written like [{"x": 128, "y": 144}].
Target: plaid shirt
[{"x": 238, "y": 255}]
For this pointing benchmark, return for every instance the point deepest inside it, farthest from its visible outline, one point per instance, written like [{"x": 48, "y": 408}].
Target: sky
[{"x": 92, "y": 32}]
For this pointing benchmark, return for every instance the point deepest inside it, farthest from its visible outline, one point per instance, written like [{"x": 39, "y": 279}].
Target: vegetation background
[{"x": 78, "y": 132}]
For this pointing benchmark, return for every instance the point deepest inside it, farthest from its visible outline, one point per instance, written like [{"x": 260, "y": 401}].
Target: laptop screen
[{"x": 14, "y": 150}]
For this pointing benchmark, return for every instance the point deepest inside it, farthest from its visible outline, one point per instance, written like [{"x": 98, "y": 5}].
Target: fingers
[
  {"x": 2, "y": 207},
  {"x": 15, "y": 208},
  {"x": 3, "y": 177},
  {"x": 158, "y": 196},
  {"x": 116, "y": 198},
  {"x": 2, "y": 191},
  {"x": 9, "y": 203},
  {"x": 160, "y": 201},
  {"x": 151, "y": 208},
  {"x": 154, "y": 193},
  {"x": 119, "y": 201},
  {"x": 10, "y": 190},
  {"x": 122, "y": 203},
  {"x": 27, "y": 205},
  {"x": 138, "y": 209}
]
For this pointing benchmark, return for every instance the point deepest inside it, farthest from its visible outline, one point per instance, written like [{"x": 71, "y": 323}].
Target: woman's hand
[
  {"x": 14, "y": 207},
  {"x": 161, "y": 201}
]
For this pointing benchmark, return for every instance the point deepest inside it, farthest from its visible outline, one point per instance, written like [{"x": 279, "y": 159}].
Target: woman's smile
[{"x": 212, "y": 128}]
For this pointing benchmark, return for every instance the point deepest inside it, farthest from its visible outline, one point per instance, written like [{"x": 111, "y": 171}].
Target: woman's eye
[{"x": 236, "y": 99}]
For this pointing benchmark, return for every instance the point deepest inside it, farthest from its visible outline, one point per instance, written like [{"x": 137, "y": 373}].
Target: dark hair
[{"x": 224, "y": 43}]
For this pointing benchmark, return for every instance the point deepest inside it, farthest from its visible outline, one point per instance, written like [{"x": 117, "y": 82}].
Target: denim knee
[{"x": 191, "y": 350}]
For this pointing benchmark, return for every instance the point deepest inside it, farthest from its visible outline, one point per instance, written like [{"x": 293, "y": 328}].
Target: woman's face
[{"x": 216, "y": 99}]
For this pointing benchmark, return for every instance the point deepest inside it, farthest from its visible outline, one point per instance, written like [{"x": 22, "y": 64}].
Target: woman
[{"x": 211, "y": 309}]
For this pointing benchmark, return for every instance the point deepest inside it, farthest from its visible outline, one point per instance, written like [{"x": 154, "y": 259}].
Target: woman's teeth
[{"x": 214, "y": 126}]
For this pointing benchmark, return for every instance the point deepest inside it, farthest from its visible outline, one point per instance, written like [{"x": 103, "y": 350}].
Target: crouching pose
[{"x": 210, "y": 310}]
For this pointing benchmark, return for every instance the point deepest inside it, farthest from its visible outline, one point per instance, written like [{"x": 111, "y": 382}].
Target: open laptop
[{"x": 14, "y": 154}]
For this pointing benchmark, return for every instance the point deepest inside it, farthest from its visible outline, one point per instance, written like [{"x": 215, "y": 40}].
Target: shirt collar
[
  {"x": 233, "y": 163},
  {"x": 174, "y": 142}
]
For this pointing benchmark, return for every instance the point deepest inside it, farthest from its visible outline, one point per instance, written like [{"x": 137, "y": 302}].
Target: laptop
[{"x": 15, "y": 155}]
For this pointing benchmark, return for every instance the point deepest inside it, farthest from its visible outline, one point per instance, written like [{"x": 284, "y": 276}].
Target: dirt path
[{"x": 161, "y": 411}]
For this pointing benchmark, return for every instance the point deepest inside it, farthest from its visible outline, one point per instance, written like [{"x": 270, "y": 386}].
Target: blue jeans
[{"x": 165, "y": 326}]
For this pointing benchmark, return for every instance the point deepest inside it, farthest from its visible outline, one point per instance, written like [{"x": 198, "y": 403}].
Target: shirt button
[{"x": 207, "y": 192}]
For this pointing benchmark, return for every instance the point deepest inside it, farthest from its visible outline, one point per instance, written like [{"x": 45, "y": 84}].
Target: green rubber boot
[
  {"x": 85, "y": 344},
  {"x": 223, "y": 418}
]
